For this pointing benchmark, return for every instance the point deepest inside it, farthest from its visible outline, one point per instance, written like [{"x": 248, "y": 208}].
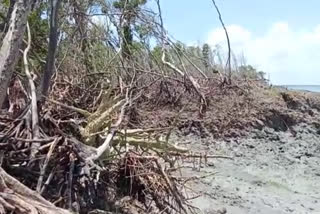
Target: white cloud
[{"x": 290, "y": 56}]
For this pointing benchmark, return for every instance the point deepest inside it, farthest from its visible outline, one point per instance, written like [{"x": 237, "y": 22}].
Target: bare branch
[
  {"x": 228, "y": 41},
  {"x": 45, "y": 164},
  {"x": 34, "y": 106},
  {"x": 78, "y": 110}
]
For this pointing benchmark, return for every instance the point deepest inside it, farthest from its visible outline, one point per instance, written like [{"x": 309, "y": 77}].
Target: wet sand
[{"x": 272, "y": 173}]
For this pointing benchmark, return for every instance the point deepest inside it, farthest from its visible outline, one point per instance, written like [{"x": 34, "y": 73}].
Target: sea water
[{"x": 313, "y": 88}]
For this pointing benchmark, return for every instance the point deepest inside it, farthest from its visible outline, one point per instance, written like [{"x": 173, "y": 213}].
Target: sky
[{"x": 279, "y": 37}]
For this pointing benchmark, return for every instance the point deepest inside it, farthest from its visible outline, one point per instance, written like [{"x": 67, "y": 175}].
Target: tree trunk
[
  {"x": 81, "y": 21},
  {"x": 53, "y": 42},
  {"x": 9, "y": 50}
]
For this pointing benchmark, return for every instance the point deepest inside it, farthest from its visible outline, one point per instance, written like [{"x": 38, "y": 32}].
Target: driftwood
[{"x": 16, "y": 197}]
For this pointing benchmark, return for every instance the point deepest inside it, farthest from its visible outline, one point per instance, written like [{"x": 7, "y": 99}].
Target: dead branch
[
  {"x": 150, "y": 144},
  {"x": 15, "y": 196},
  {"x": 46, "y": 140},
  {"x": 106, "y": 144},
  {"x": 228, "y": 41},
  {"x": 105, "y": 147},
  {"x": 45, "y": 164},
  {"x": 34, "y": 105},
  {"x": 98, "y": 123},
  {"x": 72, "y": 108},
  {"x": 193, "y": 64},
  {"x": 206, "y": 156},
  {"x": 173, "y": 188},
  {"x": 193, "y": 82}
]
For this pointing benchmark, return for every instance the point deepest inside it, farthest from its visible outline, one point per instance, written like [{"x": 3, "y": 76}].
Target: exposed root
[{"x": 67, "y": 172}]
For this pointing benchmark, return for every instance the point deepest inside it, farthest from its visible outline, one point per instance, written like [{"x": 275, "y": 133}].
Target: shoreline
[{"x": 299, "y": 88}]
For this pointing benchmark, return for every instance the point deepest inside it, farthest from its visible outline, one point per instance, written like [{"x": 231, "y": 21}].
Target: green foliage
[
  {"x": 129, "y": 4},
  {"x": 39, "y": 33},
  {"x": 180, "y": 48},
  {"x": 143, "y": 31},
  {"x": 127, "y": 33},
  {"x": 157, "y": 53},
  {"x": 127, "y": 40},
  {"x": 205, "y": 53},
  {"x": 3, "y": 11},
  {"x": 137, "y": 47},
  {"x": 250, "y": 72},
  {"x": 100, "y": 55},
  {"x": 6, "y": 3},
  {"x": 194, "y": 51},
  {"x": 129, "y": 9}
]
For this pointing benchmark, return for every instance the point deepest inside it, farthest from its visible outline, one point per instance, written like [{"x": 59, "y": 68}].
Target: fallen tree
[{"x": 72, "y": 172}]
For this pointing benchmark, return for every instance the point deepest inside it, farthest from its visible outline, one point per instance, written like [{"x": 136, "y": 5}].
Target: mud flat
[{"x": 271, "y": 173}]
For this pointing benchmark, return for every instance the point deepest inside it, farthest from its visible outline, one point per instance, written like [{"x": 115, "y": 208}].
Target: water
[{"x": 313, "y": 88}]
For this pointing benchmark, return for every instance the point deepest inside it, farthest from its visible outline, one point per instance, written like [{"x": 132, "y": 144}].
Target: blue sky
[{"x": 280, "y": 37}]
